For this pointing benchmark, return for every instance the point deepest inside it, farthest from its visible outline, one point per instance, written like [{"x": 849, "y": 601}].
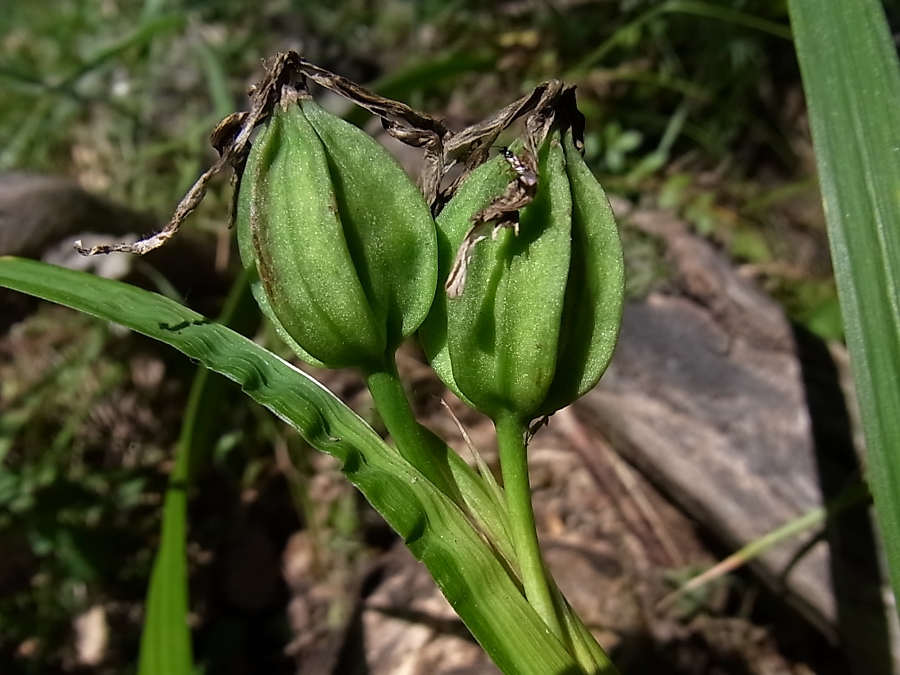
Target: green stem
[
  {"x": 412, "y": 440},
  {"x": 514, "y": 466}
]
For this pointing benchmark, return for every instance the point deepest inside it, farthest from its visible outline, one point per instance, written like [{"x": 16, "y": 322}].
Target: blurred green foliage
[
  {"x": 122, "y": 95},
  {"x": 76, "y": 505}
]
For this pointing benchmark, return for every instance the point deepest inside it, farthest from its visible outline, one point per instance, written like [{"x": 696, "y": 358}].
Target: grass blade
[
  {"x": 166, "y": 637},
  {"x": 851, "y": 79},
  {"x": 704, "y": 10}
]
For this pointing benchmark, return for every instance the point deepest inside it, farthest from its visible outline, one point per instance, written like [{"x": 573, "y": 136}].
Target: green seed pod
[
  {"x": 480, "y": 187},
  {"x": 536, "y": 323},
  {"x": 339, "y": 244},
  {"x": 595, "y": 293}
]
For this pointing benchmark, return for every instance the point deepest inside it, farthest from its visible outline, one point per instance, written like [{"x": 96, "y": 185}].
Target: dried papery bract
[{"x": 442, "y": 147}]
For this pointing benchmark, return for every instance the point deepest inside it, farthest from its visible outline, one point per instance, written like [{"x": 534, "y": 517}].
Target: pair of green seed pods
[{"x": 345, "y": 259}]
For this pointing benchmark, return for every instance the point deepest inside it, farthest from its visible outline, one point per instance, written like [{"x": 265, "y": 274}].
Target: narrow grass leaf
[
  {"x": 166, "y": 637},
  {"x": 704, "y": 10},
  {"x": 851, "y": 78}
]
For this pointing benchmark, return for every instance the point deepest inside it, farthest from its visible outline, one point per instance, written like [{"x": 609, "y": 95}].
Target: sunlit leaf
[
  {"x": 851, "y": 79},
  {"x": 438, "y": 533}
]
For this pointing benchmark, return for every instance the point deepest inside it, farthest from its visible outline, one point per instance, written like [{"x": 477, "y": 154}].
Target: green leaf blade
[
  {"x": 851, "y": 78},
  {"x": 439, "y": 534},
  {"x": 166, "y": 638}
]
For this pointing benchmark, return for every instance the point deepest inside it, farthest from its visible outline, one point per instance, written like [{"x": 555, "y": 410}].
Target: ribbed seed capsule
[
  {"x": 535, "y": 326},
  {"x": 480, "y": 187},
  {"x": 504, "y": 329},
  {"x": 595, "y": 292},
  {"x": 339, "y": 244}
]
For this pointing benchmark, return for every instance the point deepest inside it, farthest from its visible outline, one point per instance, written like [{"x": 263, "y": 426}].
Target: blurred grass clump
[
  {"x": 692, "y": 106},
  {"x": 695, "y": 103}
]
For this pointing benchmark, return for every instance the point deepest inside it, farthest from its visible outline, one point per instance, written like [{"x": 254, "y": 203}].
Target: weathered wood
[
  {"x": 705, "y": 395},
  {"x": 37, "y": 211},
  {"x": 42, "y": 215}
]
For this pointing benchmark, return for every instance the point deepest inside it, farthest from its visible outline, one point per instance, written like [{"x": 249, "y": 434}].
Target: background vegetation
[{"x": 692, "y": 106}]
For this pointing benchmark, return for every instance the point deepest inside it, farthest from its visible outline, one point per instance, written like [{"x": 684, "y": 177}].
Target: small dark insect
[
  {"x": 536, "y": 425},
  {"x": 527, "y": 175}
]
